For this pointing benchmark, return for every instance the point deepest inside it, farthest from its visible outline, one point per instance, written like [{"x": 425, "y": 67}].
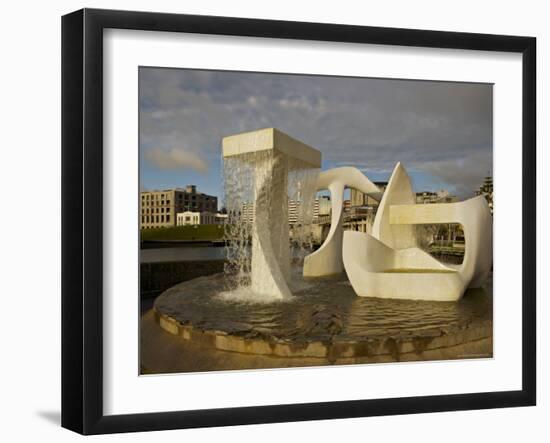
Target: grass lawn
[{"x": 197, "y": 232}]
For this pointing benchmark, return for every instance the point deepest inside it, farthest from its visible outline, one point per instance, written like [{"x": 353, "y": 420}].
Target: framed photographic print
[{"x": 269, "y": 221}]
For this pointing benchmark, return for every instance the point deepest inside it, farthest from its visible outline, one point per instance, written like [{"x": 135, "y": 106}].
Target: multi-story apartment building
[
  {"x": 425, "y": 197},
  {"x": 358, "y": 198},
  {"x": 322, "y": 206},
  {"x": 294, "y": 208},
  {"x": 158, "y": 209},
  {"x": 442, "y": 196},
  {"x": 199, "y": 218},
  {"x": 247, "y": 212}
]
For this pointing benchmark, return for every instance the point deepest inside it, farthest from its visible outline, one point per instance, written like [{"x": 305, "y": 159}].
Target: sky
[{"x": 440, "y": 131}]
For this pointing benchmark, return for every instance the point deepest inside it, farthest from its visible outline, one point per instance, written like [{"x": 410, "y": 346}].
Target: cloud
[
  {"x": 176, "y": 158},
  {"x": 441, "y": 129},
  {"x": 466, "y": 174}
]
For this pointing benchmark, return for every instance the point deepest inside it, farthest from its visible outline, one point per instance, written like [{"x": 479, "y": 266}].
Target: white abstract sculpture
[
  {"x": 327, "y": 260},
  {"x": 389, "y": 264},
  {"x": 271, "y": 154}
]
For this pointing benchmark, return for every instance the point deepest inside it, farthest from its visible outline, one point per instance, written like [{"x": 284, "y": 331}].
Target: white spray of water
[{"x": 259, "y": 188}]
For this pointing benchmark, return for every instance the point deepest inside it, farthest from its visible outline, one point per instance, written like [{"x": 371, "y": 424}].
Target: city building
[
  {"x": 486, "y": 189},
  {"x": 221, "y": 218},
  {"x": 197, "y": 218},
  {"x": 358, "y": 198},
  {"x": 445, "y": 197},
  {"x": 442, "y": 196},
  {"x": 158, "y": 209},
  {"x": 425, "y": 197},
  {"x": 294, "y": 207},
  {"x": 247, "y": 212},
  {"x": 322, "y": 206}
]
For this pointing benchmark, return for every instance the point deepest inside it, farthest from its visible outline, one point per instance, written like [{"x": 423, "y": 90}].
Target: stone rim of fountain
[
  {"x": 331, "y": 350},
  {"x": 235, "y": 335}
]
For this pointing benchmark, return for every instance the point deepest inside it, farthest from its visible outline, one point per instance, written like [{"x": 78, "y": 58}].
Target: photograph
[{"x": 296, "y": 220}]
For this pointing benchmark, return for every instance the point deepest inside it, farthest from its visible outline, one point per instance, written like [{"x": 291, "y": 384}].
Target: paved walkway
[{"x": 162, "y": 352}]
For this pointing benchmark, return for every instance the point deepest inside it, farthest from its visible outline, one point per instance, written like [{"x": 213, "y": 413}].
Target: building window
[
  {"x": 162, "y": 218},
  {"x": 168, "y": 218}
]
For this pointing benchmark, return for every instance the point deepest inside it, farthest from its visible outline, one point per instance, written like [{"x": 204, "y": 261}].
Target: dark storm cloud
[{"x": 440, "y": 129}]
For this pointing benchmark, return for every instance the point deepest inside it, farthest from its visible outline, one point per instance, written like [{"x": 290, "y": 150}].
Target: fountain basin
[{"x": 324, "y": 323}]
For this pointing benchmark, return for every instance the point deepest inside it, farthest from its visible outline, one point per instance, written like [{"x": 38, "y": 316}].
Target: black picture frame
[{"x": 82, "y": 219}]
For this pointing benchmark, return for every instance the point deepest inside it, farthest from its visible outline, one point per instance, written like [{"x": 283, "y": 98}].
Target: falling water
[
  {"x": 238, "y": 196},
  {"x": 243, "y": 174},
  {"x": 302, "y": 187}
]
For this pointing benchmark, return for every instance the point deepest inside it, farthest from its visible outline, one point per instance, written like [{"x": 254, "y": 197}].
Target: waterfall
[{"x": 259, "y": 187}]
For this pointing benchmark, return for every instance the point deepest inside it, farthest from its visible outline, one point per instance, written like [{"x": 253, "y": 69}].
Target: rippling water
[
  {"x": 181, "y": 253},
  {"x": 320, "y": 309}
]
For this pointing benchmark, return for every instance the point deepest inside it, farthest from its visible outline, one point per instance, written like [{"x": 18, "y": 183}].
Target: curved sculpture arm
[
  {"x": 475, "y": 217},
  {"x": 327, "y": 260},
  {"x": 349, "y": 177}
]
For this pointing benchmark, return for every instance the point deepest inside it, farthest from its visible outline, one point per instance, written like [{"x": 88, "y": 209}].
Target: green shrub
[{"x": 196, "y": 232}]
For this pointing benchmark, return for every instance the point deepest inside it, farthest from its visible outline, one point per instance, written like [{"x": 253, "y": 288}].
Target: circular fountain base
[{"x": 323, "y": 323}]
